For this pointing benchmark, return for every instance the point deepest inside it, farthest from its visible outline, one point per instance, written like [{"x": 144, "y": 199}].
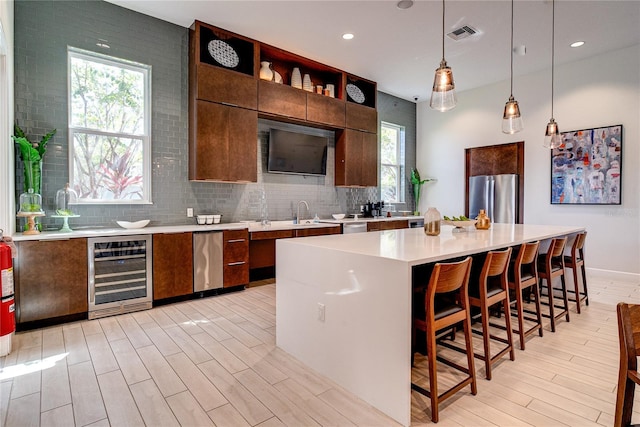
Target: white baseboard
[{"x": 621, "y": 276}]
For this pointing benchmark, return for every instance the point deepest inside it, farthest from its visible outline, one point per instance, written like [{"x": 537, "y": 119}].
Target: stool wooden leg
[
  {"x": 507, "y": 320},
  {"x": 485, "y": 339},
  {"x": 577, "y": 287},
  {"x": 552, "y": 314},
  {"x": 536, "y": 291},
  {"x": 565, "y": 297},
  {"x": 584, "y": 284},
  {"x": 519, "y": 308},
  {"x": 466, "y": 326},
  {"x": 433, "y": 374}
]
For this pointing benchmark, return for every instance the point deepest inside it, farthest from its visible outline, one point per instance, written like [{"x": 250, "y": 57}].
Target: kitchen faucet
[{"x": 298, "y": 210}]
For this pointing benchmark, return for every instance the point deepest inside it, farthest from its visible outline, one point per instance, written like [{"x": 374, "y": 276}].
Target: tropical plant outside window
[
  {"x": 109, "y": 128},
  {"x": 391, "y": 163}
]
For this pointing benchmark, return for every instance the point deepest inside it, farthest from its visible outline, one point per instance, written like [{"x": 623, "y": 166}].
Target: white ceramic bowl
[
  {"x": 137, "y": 224},
  {"x": 216, "y": 219},
  {"x": 209, "y": 219},
  {"x": 337, "y": 216},
  {"x": 201, "y": 219}
]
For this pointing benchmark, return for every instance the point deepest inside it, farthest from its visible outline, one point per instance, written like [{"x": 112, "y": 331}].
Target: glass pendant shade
[
  {"x": 443, "y": 96},
  {"x": 552, "y": 137},
  {"x": 511, "y": 119}
]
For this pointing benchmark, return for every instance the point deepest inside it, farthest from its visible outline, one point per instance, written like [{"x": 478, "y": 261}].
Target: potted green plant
[
  {"x": 417, "y": 186},
  {"x": 31, "y": 154}
]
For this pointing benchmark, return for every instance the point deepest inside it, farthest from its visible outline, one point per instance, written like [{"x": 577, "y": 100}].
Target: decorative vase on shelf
[
  {"x": 266, "y": 73},
  {"x": 306, "y": 83},
  {"x": 296, "y": 78},
  {"x": 32, "y": 175},
  {"x": 432, "y": 222}
]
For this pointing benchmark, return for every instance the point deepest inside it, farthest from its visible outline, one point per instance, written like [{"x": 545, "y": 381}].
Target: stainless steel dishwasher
[{"x": 207, "y": 261}]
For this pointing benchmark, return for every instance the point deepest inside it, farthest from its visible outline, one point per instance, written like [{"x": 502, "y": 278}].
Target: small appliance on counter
[{"x": 372, "y": 210}]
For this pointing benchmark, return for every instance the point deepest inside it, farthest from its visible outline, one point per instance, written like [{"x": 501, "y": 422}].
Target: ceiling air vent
[{"x": 462, "y": 33}]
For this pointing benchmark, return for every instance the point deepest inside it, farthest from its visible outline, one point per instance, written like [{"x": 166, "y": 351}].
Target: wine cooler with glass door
[{"x": 119, "y": 275}]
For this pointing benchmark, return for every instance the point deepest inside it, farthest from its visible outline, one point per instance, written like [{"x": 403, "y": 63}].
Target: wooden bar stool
[
  {"x": 492, "y": 289},
  {"x": 523, "y": 276},
  {"x": 551, "y": 265},
  {"x": 629, "y": 336},
  {"x": 452, "y": 279},
  {"x": 575, "y": 261}
]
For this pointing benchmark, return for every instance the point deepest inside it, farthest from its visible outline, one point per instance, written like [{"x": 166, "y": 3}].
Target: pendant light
[
  {"x": 511, "y": 119},
  {"x": 552, "y": 138},
  {"x": 443, "y": 96}
]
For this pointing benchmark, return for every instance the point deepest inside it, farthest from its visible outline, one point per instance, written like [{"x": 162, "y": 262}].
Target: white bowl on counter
[
  {"x": 337, "y": 216},
  {"x": 136, "y": 224}
]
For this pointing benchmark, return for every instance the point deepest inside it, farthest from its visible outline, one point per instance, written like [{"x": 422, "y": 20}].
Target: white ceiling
[{"x": 400, "y": 49}]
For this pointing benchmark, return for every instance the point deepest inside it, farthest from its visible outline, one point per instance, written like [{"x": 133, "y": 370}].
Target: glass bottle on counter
[{"x": 432, "y": 222}]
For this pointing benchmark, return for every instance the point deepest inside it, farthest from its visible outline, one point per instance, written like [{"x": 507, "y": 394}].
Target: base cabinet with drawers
[{"x": 235, "y": 257}]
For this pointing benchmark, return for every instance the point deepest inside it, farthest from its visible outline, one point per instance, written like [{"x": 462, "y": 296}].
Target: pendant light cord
[
  {"x": 553, "y": 44},
  {"x": 442, "y": 30},
  {"x": 511, "y": 48}
]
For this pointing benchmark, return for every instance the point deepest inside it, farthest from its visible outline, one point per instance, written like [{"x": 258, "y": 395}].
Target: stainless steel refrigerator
[{"x": 497, "y": 195}]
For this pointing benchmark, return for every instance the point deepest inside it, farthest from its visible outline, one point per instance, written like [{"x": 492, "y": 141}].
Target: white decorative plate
[
  {"x": 223, "y": 53},
  {"x": 355, "y": 93},
  {"x": 460, "y": 224},
  {"x": 137, "y": 224}
]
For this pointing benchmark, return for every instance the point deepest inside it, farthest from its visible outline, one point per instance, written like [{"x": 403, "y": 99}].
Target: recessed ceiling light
[
  {"x": 577, "y": 44},
  {"x": 404, "y": 4},
  {"x": 347, "y": 36}
]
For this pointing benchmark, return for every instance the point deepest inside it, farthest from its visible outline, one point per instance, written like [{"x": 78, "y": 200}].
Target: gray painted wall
[{"x": 44, "y": 29}]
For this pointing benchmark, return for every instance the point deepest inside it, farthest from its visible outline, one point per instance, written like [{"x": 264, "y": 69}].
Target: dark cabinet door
[
  {"x": 224, "y": 144},
  {"x": 362, "y": 118},
  {"x": 356, "y": 160},
  {"x": 282, "y": 100},
  {"x": 172, "y": 265},
  {"x": 236, "y": 257},
  {"x": 323, "y": 231},
  {"x": 226, "y": 87},
  {"x": 325, "y": 110},
  {"x": 51, "y": 279}
]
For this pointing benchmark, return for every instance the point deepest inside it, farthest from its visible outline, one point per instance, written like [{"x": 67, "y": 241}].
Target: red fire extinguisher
[{"x": 7, "y": 300}]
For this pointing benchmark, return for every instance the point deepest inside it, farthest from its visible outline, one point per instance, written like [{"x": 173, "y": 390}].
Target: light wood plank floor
[{"x": 213, "y": 361}]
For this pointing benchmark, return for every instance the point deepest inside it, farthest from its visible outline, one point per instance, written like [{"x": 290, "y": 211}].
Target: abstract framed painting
[{"x": 587, "y": 168}]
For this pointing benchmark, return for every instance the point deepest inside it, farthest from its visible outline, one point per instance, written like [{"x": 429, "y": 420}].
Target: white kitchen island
[{"x": 343, "y": 302}]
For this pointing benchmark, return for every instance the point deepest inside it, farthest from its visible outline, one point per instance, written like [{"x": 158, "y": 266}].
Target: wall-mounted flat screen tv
[{"x": 297, "y": 153}]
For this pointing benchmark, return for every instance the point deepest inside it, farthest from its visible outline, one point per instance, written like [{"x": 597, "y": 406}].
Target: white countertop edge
[
  {"x": 369, "y": 244},
  {"x": 117, "y": 231}
]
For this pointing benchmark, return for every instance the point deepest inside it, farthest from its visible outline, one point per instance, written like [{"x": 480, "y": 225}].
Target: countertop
[
  {"x": 153, "y": 229},
  {"x": 413, "y": 246}
]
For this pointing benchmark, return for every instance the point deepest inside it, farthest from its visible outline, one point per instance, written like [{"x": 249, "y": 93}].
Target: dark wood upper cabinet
[
  {"x": 325, "y": 110},
  {"x": 226, "y": 87},
  {"x": 281, "y": 100},
  {"x": 361, "y": 118},
  {"x": 224, "y": 146},
  {"x": 224, "y": 70},
  {"x": 356, "y": 160}
]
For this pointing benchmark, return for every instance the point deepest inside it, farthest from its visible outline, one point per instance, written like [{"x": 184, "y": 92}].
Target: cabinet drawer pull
[
  {"x": 236, "y": 263},
  {"x": 229, "y": 104},
  {"x": 235, "y": 240}
]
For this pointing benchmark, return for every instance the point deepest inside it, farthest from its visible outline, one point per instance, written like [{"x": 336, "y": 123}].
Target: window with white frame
[
  {"x": 391, "y": 163},
  {"x": 109, "y": 128}
]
